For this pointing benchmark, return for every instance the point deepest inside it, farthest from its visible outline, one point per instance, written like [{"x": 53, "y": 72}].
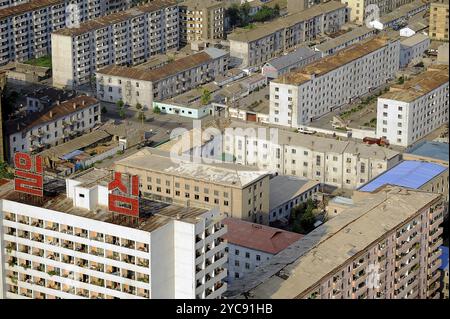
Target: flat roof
[
  {"x": 284, "y": 188},
  {"x": 118, "y": 17},
  {"x": 418, "y": 86},
  {"x": 402, "y": 11},
  {"x": 154, "y": 214},
  {"x": 332, "y": 62},
  {"x": 306, "y": 262},
  {"x": 410, "y": 174},
  {"x": 414, "y": 39},
  {"x": 444, "y": 258},
  {"x": 264, "y": 29},
  {"x": 156, "y": 160},
  {"x": 294, "y": 57},
  {"x": 258, "y": 237},
  {"x": 346, "y": 37},
  {"x": 429, "y": 149},
  {"x": 165, "y": 71},
  {"x": 27, "y": 7}
]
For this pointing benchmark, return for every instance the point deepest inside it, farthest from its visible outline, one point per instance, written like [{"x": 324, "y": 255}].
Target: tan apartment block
[
  {"x": 439, "y": 20},
  {"x": 201, "y": 20},
  {"x": 238, "y": 191},
  {"x": 383, "y": 247}
]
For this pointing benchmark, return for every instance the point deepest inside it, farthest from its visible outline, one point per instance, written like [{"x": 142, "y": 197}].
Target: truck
[{"x": 382, "y": 141}]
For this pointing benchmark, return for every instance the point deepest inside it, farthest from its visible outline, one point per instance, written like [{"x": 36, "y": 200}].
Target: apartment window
[
  {"x": 363, "y": 167},
  {"x": 167, "y": 183},
  {"x": 400, "y": 108},
  {"x": 236, "y": 252},
  {"x": 258, "y": 257},
  {"x": 196, "y": 197},
  {"x": 247, "y": 266},
  {"x": 225, "y": 203},
  {"x": 385, "y": 114},
  {"x": 236, "y": 263},
  {"x": 186, "y": 187},
  {"x": 207, "y": 199},
  {"x": 158, "y": 181},
  {"x": 236, "y": 275}
]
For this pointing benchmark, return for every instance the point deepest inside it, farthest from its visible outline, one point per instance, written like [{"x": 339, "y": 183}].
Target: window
[
  {"x": 258, "y": 257},
  {"x": 247, "y": 266},
  {"x": 236, "y": 263},
  {"x": 247, "y": 255},
  {"x": 236, "y": 252}
]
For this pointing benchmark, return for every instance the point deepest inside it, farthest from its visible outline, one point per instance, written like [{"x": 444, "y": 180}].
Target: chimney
[
  {"x": 51, "y": 114},
  {"x": 58, "y": 103},
  {"x": 83, "y": 102},
  {"x": 74, "y": 106}
]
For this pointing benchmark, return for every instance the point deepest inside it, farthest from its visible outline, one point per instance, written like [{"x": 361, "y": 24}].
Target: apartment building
[
  {"x": 414, "y": 109},
  {"x": 61, "y": 122},
  {"x": 412, "y": 48},
  {"x": 10, "y": 3},
  {"x": 238, "y": 191},
  {"x": 361, "y": 9},
  {"x": 25, "y": 29},
  {"x": 444, "y": 273},
  {"x": 344, "y": 164},
  {"x": 439, "y": 20},
  {"x": 2, "y": 85},
  {"x": 134, "y": 85},
  {"x": 250, "y": 245},
  {"x": 301, "y": 96},
  {"x": 268, "y": 40},
  {"x": 383, "y": 247},
  {"x": 428, "y": 151},
  {"x": 202, "y": 20},
  {"x": 71, "y": 246},
  {"x": 123, "y": 38}
]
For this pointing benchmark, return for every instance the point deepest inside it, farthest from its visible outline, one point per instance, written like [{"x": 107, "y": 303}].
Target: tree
[
  {"x": 138, "y": 106},
  {"x": 4, "y": 171},
  {"x": 122, "y": 113},
  {"x": 206, "y": 97},
  {"x": 104, "y": 110},
  {"x": 156, "y": 110},
  {"x": 120, "y": 104},
  {"x": 233, "y": 14}
]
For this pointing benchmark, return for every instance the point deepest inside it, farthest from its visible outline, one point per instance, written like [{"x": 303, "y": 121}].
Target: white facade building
[
  {"x": 414, "y": 109},
  {"x": 70, "y": 247},
  {"x": 25, "y": 28},
  {"x": 123, "y": 38},
  {"x": 306, "y": 94},
  {"x": 412, "y": 48},
  {"x": 58, "y": 124}
]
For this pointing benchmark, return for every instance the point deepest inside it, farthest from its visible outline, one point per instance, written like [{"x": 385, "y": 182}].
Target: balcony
[
  {"x": 435, "y": 246},
  {"x": 436, "y": 234},
  {"x": 434, "y": 266}
]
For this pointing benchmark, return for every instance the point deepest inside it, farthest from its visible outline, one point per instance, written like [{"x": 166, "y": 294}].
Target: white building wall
[{"x": 243, "y": 260}]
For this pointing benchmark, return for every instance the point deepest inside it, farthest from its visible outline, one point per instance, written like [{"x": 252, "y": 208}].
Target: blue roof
[
  {"x": 71, "y": 155},
  {"x": 444, "y": 257},
  {"x": 410, "y": 174},
  {"x": 434, "y": 150}
]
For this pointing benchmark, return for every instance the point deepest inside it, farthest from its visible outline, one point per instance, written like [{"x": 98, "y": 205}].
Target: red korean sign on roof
[
  {"x": 124, "y": 199},
  {"x": 29, "y": 174}
]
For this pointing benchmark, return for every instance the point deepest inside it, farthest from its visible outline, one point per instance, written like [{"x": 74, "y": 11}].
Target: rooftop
[
  {"x": 264, "y": 29},
  {"x": 258, "y": 237},
  {"x": 115, "y": 18},
  {"x": 256, "y": 102},
  {"x": 292, "y": 58},
  {"x": 150, "y": 159},
  {"x": 414, "y": 39},
  {"x": 284, "y": 188},
  {"x": 165, "y": 71},
  {"x": 429, "y": 149},
  {"x": 409, "y": 174},
  {"x": 345, "y": 38},
  {"x": 55, "y": 112},
  {"x": 153, "y": 214},
  {"x": 26, "y": 7},
  {"x": 332, "y": 62},
  {"x": 303, "y": 264},
  {"x": 418, "y": 86},
  {"x": 403, "y": 11}
]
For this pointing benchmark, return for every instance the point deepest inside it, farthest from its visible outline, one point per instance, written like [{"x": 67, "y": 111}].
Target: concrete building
[
  {"x": 250, "y": 245},
  {"x": 384, "y": 247},
  {"x": 343, "y": 164},
  {"x": 25, "y": 29},
  {"x": 123, "y": 38},
  {"x": 428, "y": 177},
  {"x": 277, "y": 67},
  {"x": 308, "y": 93},
  {"x": 444, "y": 272},
  {"x": 253, "y": 48},
  {"x": 238, "y": 191},
  {"x": 202, "y": 20},
  {"x": 398, "y": 18},
  {"x": 439, "y": 20},
  {"x": 287, "y": 192},
  {"x": 69, "y": 246},
  {"x": 412, "y": 48},
  {"x": 345, "y": 40},
  {"x": 362, "y": 9},
  {"x": 134, "y": 85},
  {"x": 3, "y": 158},
  {"x": 433, "y": 152},
  {"x": 58, "y": 124},
  {"x": 410, "y": 111},
  {"x": 294, "y": 6},
  {"x": 10, "y": 3}
]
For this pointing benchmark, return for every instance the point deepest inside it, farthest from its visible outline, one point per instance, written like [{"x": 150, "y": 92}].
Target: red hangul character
[
  {"x": 29, "y": 176},
  {"x": 125, "y": 202}
]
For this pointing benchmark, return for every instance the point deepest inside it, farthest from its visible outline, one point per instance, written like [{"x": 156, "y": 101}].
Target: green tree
[
  {"x": 138, "y": 106},
  {"x": 156, "y": 110},
  {"x": 5, "y": 172},
  {"x": 206, "y": 97},
  {"x": 120, "y": 104},
  {"x": 104, "y": 110},
  {"x": 122, "y": 113}
]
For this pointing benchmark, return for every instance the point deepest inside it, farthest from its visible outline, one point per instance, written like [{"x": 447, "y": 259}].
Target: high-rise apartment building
[
  {"x": 299, "y": 97},
  {"x": 439, "y": 24},
  {"x": 123, "y": 38},
  {"x": 10, "y": 3},
  {"x": 71, "y": 246},
  {"x": 386, "y": 246},
  {"x": 25, "y": 29},
  {"x": 414, "y": 109},
  {"x": 202, "y": 20},
  {"x": 2, "y": 85}
]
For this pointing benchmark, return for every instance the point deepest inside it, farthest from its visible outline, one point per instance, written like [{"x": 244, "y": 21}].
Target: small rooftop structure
[
  {"x": 409, "y": 174},
  {"x": 429, "y": 149},
  {"x": 284, "y": 188},
  {"x": 258, "y": 237}
]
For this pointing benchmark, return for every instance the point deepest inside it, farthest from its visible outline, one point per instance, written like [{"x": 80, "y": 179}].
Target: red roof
[{"x": 259, "y": 237}]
